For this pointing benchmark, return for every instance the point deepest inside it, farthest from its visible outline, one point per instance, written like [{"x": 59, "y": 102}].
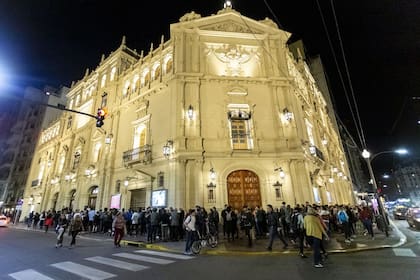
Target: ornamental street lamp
[{"x": 369, "y": 158}]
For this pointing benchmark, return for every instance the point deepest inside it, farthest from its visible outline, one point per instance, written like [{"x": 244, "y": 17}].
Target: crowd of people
[{"x": 305, "y": 225}]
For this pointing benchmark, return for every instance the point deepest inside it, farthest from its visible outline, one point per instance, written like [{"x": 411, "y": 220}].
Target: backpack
[{"x": 342, "y": 218}]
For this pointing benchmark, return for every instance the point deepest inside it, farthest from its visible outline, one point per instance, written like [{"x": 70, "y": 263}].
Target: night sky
[{"x": 54, "y": 41}]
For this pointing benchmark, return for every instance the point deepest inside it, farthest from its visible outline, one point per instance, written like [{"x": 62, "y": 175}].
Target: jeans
[
  {"x": 190, "y": 239},
  {"x": 368, "y": 226},
  {"x": 315, "y": 243},
  {"x": 273, "y": 232}
]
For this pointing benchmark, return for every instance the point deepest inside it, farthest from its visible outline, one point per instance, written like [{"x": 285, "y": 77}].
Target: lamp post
[{"x": 369, "y": 158}]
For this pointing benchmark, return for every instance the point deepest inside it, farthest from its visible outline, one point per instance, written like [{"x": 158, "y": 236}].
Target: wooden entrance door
[{"x": 243, "y": 188}]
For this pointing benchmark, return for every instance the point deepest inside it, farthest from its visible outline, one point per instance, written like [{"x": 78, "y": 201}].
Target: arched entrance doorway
[
  {"x": 243, "y": 188},
  {"x": 92, "y": 197}
]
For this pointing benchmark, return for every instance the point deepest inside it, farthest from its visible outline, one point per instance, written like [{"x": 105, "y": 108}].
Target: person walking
[
  {"x": 61, "y": 225},
  {"x": 366, "y": 216},
  {"x": 76, "y": 226},
  {"x": 298, "y": 229},
  {"x": 191, "y": 230},
  {"x": 273, "y": 224},
  {"x": 314, "y": 232},
  {"x": 118, "y": 224}
]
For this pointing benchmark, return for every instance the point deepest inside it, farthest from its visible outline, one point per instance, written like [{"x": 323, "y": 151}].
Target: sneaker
[
  {"x": 303, "y": 256},
  {"x": 319, "y": 265}
]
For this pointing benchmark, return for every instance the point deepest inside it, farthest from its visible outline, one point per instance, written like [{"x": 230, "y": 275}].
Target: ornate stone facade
[{"x": 221, "y": 113}]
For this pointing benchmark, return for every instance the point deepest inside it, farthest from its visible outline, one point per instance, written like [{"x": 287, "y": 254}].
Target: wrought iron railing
[{"x": 141, "y": 154}]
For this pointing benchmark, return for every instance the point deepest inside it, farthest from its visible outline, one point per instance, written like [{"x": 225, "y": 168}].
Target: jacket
[{"x": 313, "y": 226}]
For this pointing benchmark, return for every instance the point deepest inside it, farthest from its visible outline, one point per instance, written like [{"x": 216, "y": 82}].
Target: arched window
[
  {"x": 156, "y": 72},
  {"x": 113, "y": 72},
  {"x": 168, "y": 66},
  {"x": 103, "y": 81}
]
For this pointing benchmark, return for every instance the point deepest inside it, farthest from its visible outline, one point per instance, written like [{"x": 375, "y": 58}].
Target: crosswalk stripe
[
  {"x": 164, "y": 254},
  {"x": 402, "y": 252},
  {"x": 83, "y": 271},
  {"x": 117, "y": 263},
  {"x": 29, "y": 274},
  {"x": 142, "y": 258}
]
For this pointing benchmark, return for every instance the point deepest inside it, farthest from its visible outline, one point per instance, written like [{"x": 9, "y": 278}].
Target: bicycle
[{"x": 208, "y": 240}]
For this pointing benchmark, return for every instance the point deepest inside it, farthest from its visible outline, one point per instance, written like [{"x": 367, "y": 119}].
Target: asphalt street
[{"x": 26, "y": 254}]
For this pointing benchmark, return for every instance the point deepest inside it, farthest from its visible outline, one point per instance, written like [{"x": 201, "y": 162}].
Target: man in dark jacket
[{"x": 272, "y": 223}]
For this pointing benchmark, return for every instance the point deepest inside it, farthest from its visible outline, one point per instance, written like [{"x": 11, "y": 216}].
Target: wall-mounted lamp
[
  {"x": 212, "y": 174},
  {"x": 127, "y": 180},
  {"x": 190, "y": 112},
  {"x": 167, "y": 148},
  {"x": 108, "y": 139},
  {"x": 277, "y": 184},
  {"x": 281, "y": 172},
  {"x": 288, "y": 116},
  {"x": 324, "y": 141},
  {"x": 90, "y": 170},
  {"x": 331, "y": 180}
]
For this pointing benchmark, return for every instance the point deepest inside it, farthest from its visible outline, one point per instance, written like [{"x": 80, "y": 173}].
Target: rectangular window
[
  {"x": 211, "y": 197},
  {"x": 240, "y": 135},
  {"x": 278, "y": 193}
]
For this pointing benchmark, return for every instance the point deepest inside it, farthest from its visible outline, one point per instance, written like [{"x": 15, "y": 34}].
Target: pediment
[{"x": 231, "y": 26}]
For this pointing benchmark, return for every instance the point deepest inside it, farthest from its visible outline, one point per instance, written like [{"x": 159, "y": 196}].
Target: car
[
  {"x": 413, "y": 217},
  {"x": 400, "y": 212},
  {"x": 4, "y": 221}
]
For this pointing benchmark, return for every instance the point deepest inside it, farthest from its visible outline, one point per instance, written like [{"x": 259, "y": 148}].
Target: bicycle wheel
[
  {"x": 212, "y": 241},
  {"x": 196, "y": 247}
]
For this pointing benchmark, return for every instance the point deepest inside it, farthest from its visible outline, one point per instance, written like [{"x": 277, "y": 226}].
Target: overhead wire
[
  {"x": 357, "y": 123},
  {"x": 348, "y": 75}
]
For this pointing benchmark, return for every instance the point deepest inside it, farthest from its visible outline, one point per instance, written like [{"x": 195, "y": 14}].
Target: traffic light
[{"x": 100, "y": 117}]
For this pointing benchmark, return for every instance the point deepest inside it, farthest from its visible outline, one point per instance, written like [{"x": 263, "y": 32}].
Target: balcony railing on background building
[{"x": 141, "y": 154}]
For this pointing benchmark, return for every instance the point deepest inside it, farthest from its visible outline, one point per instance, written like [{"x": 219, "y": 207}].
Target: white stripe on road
[
  {"x": 401, "y": 252},
  {"x": 143, "y": 258},
  {"x": 83, "y": 271},
  {"x": 117, "y": 263},
  {"x": 29, "y": 274},
  {"x": 163, "y": 254}
]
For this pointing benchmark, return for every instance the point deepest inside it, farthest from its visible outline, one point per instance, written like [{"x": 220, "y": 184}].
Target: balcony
[
  {"x": 36, "y": 183},
  {"x": 316, "y": 152},
  {"x": 142, "y": 155}
]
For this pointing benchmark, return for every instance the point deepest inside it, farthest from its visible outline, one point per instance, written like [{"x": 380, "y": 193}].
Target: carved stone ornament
[
  {"x": 233, "y": 56},
  {"x": 230, "y": 26},
  {"x": 190, "y": 16}
]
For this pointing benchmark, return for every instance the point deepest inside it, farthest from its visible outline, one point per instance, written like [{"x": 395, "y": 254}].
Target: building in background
[
  {"x": 221, "y": 113},
  {"x": 32, "y": 117}
]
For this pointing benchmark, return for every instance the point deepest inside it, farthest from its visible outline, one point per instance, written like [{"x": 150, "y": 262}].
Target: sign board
[
  {"x": 116, "y": 201},
  {"x": 159, "y": 198}
]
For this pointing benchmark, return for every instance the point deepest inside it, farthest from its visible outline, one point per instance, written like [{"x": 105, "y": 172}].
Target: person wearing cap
[{"x": 314, "y": 232}]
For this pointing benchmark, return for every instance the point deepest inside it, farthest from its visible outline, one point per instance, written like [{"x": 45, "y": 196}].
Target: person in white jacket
[{"x": 189, "y": 225}]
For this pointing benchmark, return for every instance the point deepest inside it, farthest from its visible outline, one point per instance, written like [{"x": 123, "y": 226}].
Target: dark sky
[{"x": 53, "y": 42}]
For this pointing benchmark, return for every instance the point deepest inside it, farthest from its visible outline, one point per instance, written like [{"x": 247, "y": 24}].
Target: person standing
[
  {"x": 298, "y": 229},
  {"x": 366, "y": 216},
  {"x": 314, "y": 232},
  {"x": 273, "y": 223},
  {"x": 76, "y": 226},
  {"x": 118, "y": 224},
  {"x": 246, "y": 223},
  {"x": 191, "y": 230}
]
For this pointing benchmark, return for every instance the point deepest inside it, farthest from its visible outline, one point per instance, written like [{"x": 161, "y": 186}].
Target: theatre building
[{"x": 224, "y": 111}]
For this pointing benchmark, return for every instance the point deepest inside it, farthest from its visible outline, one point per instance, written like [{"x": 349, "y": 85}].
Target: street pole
[{"x": 378, "y": 198}]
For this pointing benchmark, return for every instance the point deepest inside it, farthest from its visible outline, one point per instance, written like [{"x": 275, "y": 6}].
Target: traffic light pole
[{"x": 63, "y": 108}]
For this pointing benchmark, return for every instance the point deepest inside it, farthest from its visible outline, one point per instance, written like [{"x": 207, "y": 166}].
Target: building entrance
[
  {"x": 243, "y": 188},
  {"x": 138, "y": 199}
]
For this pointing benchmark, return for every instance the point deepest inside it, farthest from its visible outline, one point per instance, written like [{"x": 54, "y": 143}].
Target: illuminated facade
[{"x": 221, "y": 113}]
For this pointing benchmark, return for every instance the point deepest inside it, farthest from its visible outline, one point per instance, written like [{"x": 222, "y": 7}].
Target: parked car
[
  {"x": 413, "y": 217},
  {"x": 4, "y": 221},
  {"x": 400, "y": 212}
]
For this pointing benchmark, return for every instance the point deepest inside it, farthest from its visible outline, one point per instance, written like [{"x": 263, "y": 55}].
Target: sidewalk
[{"x": 336, "y": 243}]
